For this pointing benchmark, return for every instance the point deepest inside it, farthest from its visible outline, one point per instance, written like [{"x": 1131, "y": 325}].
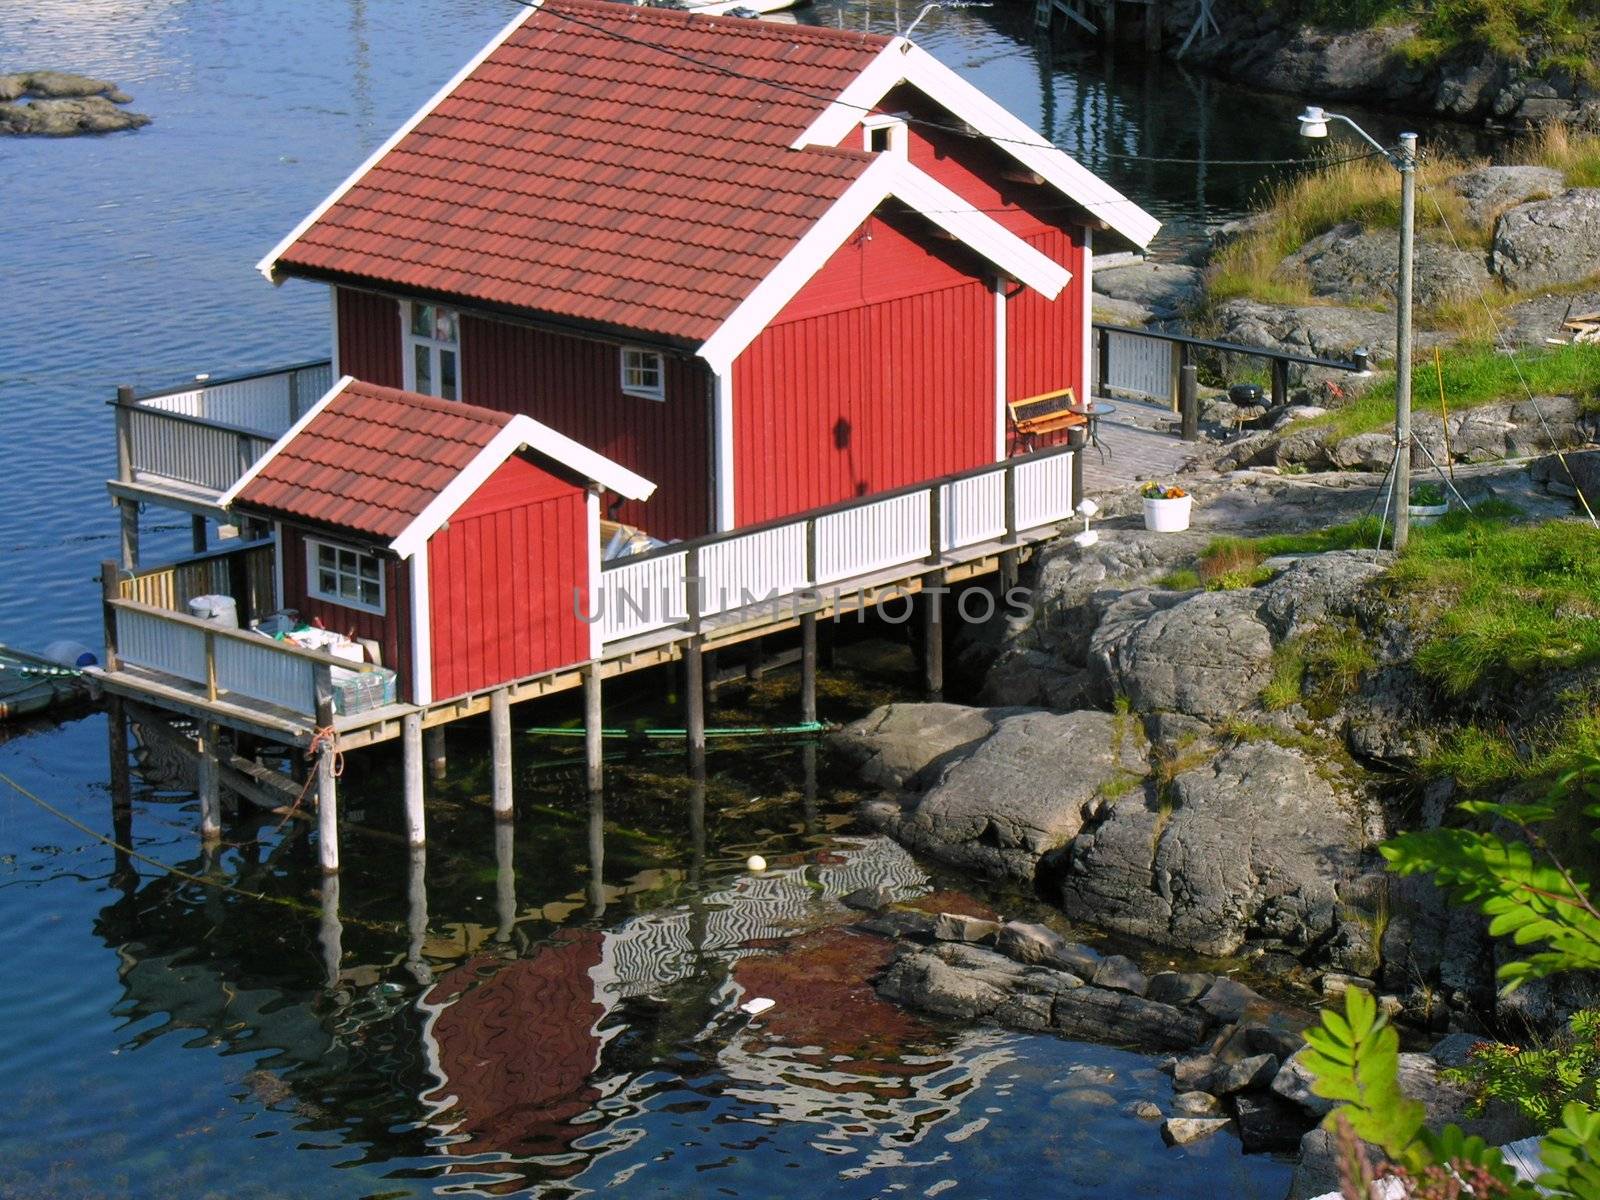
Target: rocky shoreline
[
  {"x": 1259, "y": 47},
  {"x": 1123, "y": 768},
  {"x": 61, "y": 104}
]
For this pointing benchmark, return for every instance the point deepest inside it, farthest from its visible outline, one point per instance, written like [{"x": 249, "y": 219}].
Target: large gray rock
[
  {"x": 1206, "y": 654},
  {"x": 968, "y": 982},
  {"x": 1355, "y": 265},
  {"x": 1164, "y": 288},
  {"x": 891, "y": 744},
  {"x": 1486, "y": 192},
  {"x": 1549, "y": 242},
  {"x": 1251, "y": 844},
  {"x": 1019, "y": 795},
  {"x": 1180, "y": 1131},
  {"x": 1320, "y": 331},
  {"x": 1038, "y": 945},
  {"x": 1318, "y": 588},
  {"x": 1293, "y": 1082}
]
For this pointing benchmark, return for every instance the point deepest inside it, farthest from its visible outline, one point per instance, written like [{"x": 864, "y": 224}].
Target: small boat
[
  {"x": 736, "y": 8},
  {"x": 31, "y": 684}
]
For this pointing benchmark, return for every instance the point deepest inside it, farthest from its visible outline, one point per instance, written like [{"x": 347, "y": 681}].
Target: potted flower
[
  {"x": 1428, "y": 501},
  {"x": 1166, "y": 509}
]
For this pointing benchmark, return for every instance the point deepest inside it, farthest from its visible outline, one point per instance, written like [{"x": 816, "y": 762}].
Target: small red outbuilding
[{"x": 461, "y": 540}]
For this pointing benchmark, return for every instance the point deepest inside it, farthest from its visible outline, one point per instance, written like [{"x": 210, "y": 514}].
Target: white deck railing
[
  {"x": 686, "y": 582},
  {"x": 206, "y": 436},
  {"x": 226, "y": 663}
]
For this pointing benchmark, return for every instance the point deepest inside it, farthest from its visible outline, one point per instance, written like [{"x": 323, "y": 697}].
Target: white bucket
[{"x": 1167, "y": 516}]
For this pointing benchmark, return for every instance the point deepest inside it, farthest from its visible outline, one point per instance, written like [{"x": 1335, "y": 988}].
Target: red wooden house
[
  {"x": 770, "y": 267},
  {"x": 462, "y": 540}
]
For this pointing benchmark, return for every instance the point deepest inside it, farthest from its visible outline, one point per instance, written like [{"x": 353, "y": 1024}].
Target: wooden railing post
[
  {"x": 935, "y": 523},
  {"x": 691, "y": 587},
  {"x": 1075, "y": 438},
  {"x": 125, "y": 405},
  {"x": 110, "y": 590},
  {"x": 327, "y": 785},
  {"x": 811, "y": 551},
  {"x": 294, "y": 396},
  {"x": 211, "y": 665},
  {"x": 1097, "y": 385},
  {"x": 1011, "y": 501},
  {"x": 1189, "y": 401},
  {"x": 247, "y": 458},
  {"x": 1280, "y": 382}
]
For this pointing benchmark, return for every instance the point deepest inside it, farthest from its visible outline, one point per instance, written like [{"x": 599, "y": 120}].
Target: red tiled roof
[
  {"x": 617, "y": 165},
  {"x": 372, "y": 459}
]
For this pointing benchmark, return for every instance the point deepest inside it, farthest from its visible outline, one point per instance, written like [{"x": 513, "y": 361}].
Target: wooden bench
[{"x": 1047, "y": 413}]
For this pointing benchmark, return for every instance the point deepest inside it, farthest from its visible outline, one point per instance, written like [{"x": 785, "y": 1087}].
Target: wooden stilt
[
  {"x": 694, "y": 705},
  {"x": 500, "y": 742},
  {"x": 1009, "y": 570},
  {"x": 597, "y": 853},
  {"x": 434, "y": 746},
  {"x": 197, "y": 534},
  {"x": 210, "y": 785},
  {"x": 808, "y": 667},
  {"x": 505, "y": 879},
  {"x": 330, "y": 932},
  {"x": 593, "y": 746},
  {"x": 411, "y": 766},
  {"x": 933, "y": 635},
  {"x": 327, "y": 784},
  {"x": 129, "y": 510},
  {"x": 417, "y": 912}
]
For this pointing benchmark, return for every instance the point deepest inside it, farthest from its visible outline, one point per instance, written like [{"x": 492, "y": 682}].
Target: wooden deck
[{"x": 1140, "y": 441}]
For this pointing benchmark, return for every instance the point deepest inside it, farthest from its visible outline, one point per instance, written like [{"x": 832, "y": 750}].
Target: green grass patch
[
  {"x": 1473, "y": 376},
  {"x": 1502, "y": 598},
  {"x": 1322, "y": 667},
  {"x": 1185, "y": 579}
]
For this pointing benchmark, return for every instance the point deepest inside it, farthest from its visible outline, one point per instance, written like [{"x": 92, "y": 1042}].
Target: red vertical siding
[
  {"x": 500, "y": 579},
  {"x": 1044, "y": 338},
  {"x": 851, "y": 392},
  {"x": 574, "y": 386},
  {"x": 391, "y": 630},
  {"x": 369, "y": 338}
]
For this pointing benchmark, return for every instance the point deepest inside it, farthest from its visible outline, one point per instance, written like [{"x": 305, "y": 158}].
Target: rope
[
  {"x": 1504, "y": 345},
  {"x": 324, "y": 740}
]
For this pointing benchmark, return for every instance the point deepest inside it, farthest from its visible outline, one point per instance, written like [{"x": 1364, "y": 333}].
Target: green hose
[{"x": 751, "y": 731}]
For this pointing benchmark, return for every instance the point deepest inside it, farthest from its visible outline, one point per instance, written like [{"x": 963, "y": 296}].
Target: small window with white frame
[
  {"x": 345, "y": 576},
  {"x": 884, "y": 135},
  {"x": 433, "y": 351},
  {"x": 643, "y": 373}
]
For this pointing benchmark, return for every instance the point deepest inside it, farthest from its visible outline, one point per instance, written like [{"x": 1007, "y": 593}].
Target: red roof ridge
[{"x": 455, "y": 408}]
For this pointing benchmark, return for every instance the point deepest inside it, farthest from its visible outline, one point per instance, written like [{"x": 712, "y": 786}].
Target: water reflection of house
[{"x": 520, "y": 1047}]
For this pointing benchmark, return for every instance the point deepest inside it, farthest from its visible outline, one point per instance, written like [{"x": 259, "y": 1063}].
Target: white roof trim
[
  {"x": 520, "y": 432},
  {"x": 228, "y": 497},
  {"x": 887, "y": 176},
  {"x": 268, "y": 264},
  {"x": 904, "y": 62}
]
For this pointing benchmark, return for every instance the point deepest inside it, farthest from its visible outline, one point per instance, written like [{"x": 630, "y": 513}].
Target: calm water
[{"x": 531, "y": 1029}]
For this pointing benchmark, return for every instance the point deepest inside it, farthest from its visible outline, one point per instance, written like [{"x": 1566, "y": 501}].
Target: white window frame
[
  {"x": 658, "y": 391},
  {"x": 314, "y": 576},
  {"x": 896, "y": 128},
  {"x": 411, "y": 340}
]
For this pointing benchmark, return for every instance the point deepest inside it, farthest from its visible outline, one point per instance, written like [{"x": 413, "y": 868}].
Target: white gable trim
[
  {"x": 268, "y": 265},
  {"x": 887, "y": 176},
  {"x": 904, "y": 62},
  {"x": 421, "y": 627},
  {"x": 521, "y": 431},
  {"x": 228, "y": 497}
]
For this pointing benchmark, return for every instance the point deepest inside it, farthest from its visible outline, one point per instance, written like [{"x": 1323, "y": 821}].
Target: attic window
[
  {"x": 643, "y": 374},
  {"x": 880, "y": 135},
  {"x": 433, "y": 351}
]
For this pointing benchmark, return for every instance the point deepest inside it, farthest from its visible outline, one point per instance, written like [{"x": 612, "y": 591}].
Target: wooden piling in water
[
  {"x": 411, "y": 767},
  {"x": 808, "y": 667},
  {"x": 210, "y": 784},
  {"x": 327, "y": 783},
  {"x": 593, "y": 750},
  {"x": 417, "y": 909},
  {"x": 500, "y": 744},
  {"x": 434, "y": 749},
  {"x": 694, "y": 705},
  {"x": 330, "y": 931},
  {"x": 933, "y": 635},
  {"x": 505, "y": 879}
]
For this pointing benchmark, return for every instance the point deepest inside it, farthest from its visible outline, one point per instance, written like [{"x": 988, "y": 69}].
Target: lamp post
[{"x": 1314, "y": 124}]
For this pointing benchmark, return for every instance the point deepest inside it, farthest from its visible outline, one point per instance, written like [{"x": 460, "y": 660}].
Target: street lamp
[{"x": 1314, "y": 124}]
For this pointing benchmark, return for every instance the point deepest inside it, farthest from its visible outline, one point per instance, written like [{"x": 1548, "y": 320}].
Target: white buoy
[
  {"x": 756, "y": 863},
  {"x": 757, "y": 1006}
]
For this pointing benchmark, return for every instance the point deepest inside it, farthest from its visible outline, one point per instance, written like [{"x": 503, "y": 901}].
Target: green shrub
[{"x": 1538, "y": 1080}]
